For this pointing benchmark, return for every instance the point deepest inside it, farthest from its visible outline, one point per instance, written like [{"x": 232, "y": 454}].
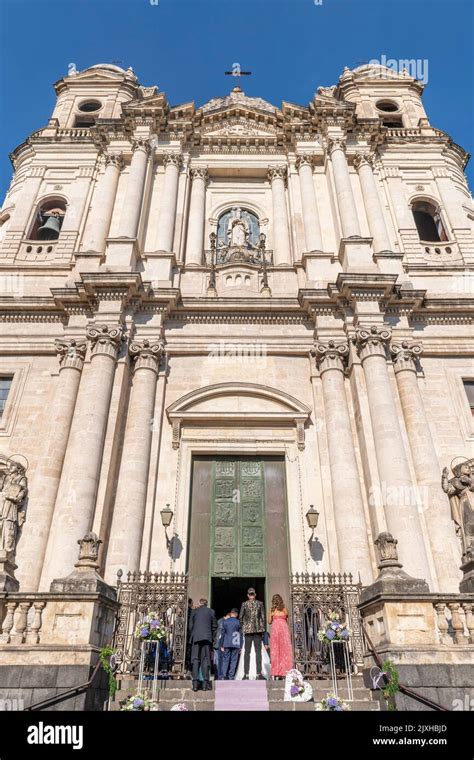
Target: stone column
[
  {"x": 363, "y": 162},
  {"x": 439, "y": 525},
  {"x": 351, "y": 527},
  {"x": 169, "y": 197},
  {"x": 281, "y": 236},
  {"x": 71, "y": 355},
  {"x": 397, "y": 491},
  {"x": 77, "y": 489},
  {"x": 103, "y": 201},
  {"x": 135, "y": 187},
  {"x": 197, "y": 209},
  {"x": 312, "y": 227},
  {"x": 342, "y": 181},
  {"x": 128, "y": 518}
]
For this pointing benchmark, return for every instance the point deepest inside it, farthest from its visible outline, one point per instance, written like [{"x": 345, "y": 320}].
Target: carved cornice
[
  {"x": 277, "y": 172},
  {"x": 105, "y": 340},
  {"x": 372, "y": 341},
  {"x": 331, "y": 355},
  {"x": 71, "y": 353},
  {"x": 146, "y": 354},
  {"x": 199, "y": 172},
  {"x": 404, "y": 355}
]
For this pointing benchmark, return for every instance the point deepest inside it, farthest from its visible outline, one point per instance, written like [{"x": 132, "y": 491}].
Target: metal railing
[
  {"x": 315, "y": 597},
  {"x": 144, "y": 592},
  {"x": 401, "y": 687}
]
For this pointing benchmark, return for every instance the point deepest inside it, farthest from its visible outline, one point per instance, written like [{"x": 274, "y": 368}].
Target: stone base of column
[
  {"x": 355, "y": 255},
  {"x": 467, "y": 584},
  {"x": 83, "y": 581},
  {"x": 391, "y": 263},
  {"x": 8, "y": 582},
  {"x": 121, "y": 254},
  {"x": 87, "y": 261},
  {"x": 394, "y": 580},
  {"x": 159, "y": 267},
  {"x": 319, "y": 265}
]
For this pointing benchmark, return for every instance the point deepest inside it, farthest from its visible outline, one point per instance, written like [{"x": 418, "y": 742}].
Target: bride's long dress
[{"x": 253, "y": 664}]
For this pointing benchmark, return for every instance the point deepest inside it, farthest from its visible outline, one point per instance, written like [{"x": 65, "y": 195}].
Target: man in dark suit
[
  {"x": 230, "y": 645},
  {"x": 203, "y": 632},
  {"x": 252, "y": 622}
]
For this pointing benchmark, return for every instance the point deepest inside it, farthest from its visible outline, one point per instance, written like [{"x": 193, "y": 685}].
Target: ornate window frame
[
  {"x": 181, "y": 411},
  {"x": 19, "y": 372}
]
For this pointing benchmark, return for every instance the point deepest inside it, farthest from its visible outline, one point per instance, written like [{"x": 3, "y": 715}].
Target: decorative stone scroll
[
  {"x": 71, "y": 352},
  {"x": 371, "y": 341},
  {"x": 105, "y": 339}
]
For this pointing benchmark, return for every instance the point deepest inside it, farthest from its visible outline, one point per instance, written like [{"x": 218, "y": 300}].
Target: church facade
[{"x": 236, "y": 343}]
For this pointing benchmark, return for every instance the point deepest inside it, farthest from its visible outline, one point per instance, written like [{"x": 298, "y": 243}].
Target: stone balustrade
[
  {"x": 22, "y": 618},
  {"x": 455, "y": 620},
  {"x": 67, "y": 620},
  {"x": 441, "y": 623}
]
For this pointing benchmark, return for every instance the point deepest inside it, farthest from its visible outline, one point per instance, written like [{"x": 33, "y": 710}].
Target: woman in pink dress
[{"x": 281, "y": 650}]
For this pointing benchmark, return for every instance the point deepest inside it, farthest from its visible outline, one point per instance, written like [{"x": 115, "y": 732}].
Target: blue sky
[{"x": 184, "y": 47}]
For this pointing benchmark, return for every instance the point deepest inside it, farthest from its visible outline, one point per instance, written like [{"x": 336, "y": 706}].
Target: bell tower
[{"x": 95, "y": 93}]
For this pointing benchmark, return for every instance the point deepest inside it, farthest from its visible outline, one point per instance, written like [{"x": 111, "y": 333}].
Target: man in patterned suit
[{"x": 252, "y": 622}]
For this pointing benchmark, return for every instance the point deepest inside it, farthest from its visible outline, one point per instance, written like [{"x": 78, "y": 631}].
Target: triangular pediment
[
  {"x": 156, "y": 100},
  {"x": 238, "y": 127}
]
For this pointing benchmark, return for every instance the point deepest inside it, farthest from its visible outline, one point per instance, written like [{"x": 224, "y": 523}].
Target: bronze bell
[{"x": 51, "y": 227}]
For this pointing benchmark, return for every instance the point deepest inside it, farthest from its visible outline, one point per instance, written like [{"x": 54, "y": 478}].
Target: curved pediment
[{"x": 238, "y": 403}]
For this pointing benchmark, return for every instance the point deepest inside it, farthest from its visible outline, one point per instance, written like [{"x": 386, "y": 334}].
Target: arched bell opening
[
  {"x": 428, "y": 222},
  {"x": 48, "y": 220}
]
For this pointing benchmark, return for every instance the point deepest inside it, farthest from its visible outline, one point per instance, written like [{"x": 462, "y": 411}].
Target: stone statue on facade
[
  {"x": 238, "y": 230},
  {"x": 460, "y": 491},
  {"x": 13, "y": 491},
  {"x": 13, "y": 494}
]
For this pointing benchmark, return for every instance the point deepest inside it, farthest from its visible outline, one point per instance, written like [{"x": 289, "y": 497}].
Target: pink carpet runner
[{"x": 241, "y": 695}]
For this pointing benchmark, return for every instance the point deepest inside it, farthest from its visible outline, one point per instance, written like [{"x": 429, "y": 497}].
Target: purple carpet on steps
[{"x": 241, "y": 695}]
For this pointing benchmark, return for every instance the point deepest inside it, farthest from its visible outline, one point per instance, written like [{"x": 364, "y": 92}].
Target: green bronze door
[{"x": 238, "y": 518}]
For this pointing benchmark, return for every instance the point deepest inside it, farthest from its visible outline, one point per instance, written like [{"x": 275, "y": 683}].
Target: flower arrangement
[
  {"x": 331, "y": 703},
  {"x": 296, "y": 683},
  {"x": 180, "y": 707},
  {"x": 139, "y": 703},
  {"x": 334, "y": 630},
  {"x": 296, "y": 688},
  {"x": 150, "y": 628}
]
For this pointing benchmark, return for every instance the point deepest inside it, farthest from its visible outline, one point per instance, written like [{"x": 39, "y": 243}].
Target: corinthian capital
[
  {"x": 199, "y": 172},
  {"x": 331, "y": 355},
  {"x": 105, "y": 339},
  {"x": 71, "y": 352},
  {"x": 141, "y": 143},
  {"x": 404, "y": 354},
  {"x": 146, "y": 354},
  {"x": 362, "y": 159},
  {"x": 114, "y": 159},
  {"x": 372, "y": 340},
  {"x": 306, "y": 159},
  {"x": 277, "y": 172},
  {"x": 336, "y": 143},
  {"x": 173, "y": 159}
]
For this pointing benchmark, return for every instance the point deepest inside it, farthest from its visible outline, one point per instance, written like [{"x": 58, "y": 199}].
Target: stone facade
[{"x": 134, "y": 344}]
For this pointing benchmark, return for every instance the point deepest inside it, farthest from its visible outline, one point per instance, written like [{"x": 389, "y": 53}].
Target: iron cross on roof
[{"x": 237, "y": 72}]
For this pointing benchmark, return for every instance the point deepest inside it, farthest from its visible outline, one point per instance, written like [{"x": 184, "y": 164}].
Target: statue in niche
[
  {"x": 460, "y": 490},
  {"x": 237, "y": 229},
  {"x": 13, "y": 491}
]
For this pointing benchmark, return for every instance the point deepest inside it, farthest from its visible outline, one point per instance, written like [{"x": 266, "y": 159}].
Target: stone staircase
[{"x": 244, "y": 695}]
